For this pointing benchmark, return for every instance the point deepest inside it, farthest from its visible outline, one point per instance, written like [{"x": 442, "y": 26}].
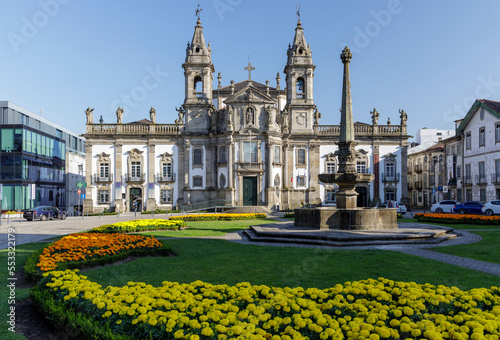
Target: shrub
[
  {"x": 159, "y": 211},
  {"x": 103, "y": 214},
  {"x": 289, "y": 215},
  {"x": 217, "y": 217}
]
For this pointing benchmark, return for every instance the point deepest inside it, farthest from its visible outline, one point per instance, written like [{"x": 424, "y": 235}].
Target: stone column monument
[{"x": 346, "y": 215}]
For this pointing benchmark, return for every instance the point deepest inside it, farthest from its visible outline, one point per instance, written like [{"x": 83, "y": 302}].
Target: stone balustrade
[
  {"x": 133, "y": 129},
  {"x": 361, "y": 130}
]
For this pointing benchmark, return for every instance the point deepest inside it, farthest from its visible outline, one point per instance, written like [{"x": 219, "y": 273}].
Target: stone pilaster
[
  {"x": 210, "y": 166},
  {"x": 270, "y": 191},
  {"x": 181, "y": 172},
  {"x": 288, "y": 175},
  {"x": 376, "y": 172},
  {"x": 88, "y": 203},
  {"x": 151, "y": 202},
  {"x": 314, "y": 159},
  {"x": 186, "y": 191},
  {"x": 119, "y": 202},
  {"x": 230, "y": 173},
  {"x": 404, "y": 180}
]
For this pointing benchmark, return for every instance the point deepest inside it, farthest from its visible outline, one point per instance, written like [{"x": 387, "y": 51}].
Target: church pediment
[{"x": 249, "y": 94}]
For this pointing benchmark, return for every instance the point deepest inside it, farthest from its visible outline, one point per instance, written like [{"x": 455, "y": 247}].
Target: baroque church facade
[{"x": 245, "y": 144}]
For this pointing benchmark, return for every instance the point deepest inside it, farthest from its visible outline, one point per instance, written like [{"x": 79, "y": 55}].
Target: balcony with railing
[
  {"x": 392, "y": 177},
  {"x": 418, "y": 168},
  {"x": 418, "y": 185},
  {"x": 481, "y": 179},
  {"x": 301, "y": 96},
  {"x": 198, "y": 94},
  {"x": 98, "y": 178},
  {"x": 135, "y": 178},
  {"x": 410, "y": 185},
  {"x": 495, "y": 178},
  {"x": 160, "y": 178},
  {"x": 250, "y": 167},
  {"x": 467, "y": 181}
]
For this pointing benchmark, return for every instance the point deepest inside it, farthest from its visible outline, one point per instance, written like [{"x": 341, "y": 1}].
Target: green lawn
[
  {"x": 488, "y": 249},
  {"x": 220, "y": 261},
  {"x": 455, "y": 226},
  {"x": 209, "y": 228}
]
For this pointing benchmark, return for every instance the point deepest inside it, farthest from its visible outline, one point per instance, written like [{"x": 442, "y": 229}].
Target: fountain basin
[{"x": 346, "y": 219}]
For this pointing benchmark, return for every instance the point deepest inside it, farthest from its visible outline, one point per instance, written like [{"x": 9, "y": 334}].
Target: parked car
[
  {"x": 491, "y": 208},
  {"x": 469, "y": 207},
  {"x": 443, "y": 206},
  {"x": 43, "y": 213},
  {"x": 401, "y": 208}
]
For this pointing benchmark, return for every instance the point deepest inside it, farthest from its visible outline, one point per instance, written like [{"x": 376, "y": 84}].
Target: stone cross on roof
[
  {"x": 198, "y": 11},
  {"x": 249, "y": 68}
]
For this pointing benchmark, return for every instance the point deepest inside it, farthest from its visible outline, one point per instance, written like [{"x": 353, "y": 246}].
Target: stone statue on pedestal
[
  {"x": 181, "y": 111},
  {"x": 152, "y": 115},
  {"x": 119, "y": 115},
  {"x": 403, "y": 116},
  {"x": 88, "y": 112},
  {"x": 375, "y": 116}
]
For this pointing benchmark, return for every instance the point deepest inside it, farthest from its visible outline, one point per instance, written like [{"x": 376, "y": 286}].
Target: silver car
[
  {"x": 491, "y": 208},
  {"x": 401, "y": 208},
  {"x": 445, "y": 206}
]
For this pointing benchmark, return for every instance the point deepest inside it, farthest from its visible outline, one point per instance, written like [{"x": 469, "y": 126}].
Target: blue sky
[{"x": 430, "y": 58}]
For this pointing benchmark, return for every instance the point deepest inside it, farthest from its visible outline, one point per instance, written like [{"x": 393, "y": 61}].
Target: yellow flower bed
[
  {"x": 139, "y": 225},
  {"x": 216, "y": 217},
  {"x": 86, "y": 246},
  {"x": 368, "y": 309}
]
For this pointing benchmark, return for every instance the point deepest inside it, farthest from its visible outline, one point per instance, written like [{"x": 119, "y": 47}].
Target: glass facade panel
[{"x": 7, "y": 140}]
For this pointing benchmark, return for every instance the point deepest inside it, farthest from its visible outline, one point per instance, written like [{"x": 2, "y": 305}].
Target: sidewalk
[{"x": 22, "y": 231}]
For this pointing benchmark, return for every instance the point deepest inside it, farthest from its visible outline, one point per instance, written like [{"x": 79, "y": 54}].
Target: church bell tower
[
  {"x": 198, "y": 74},
  {"x": 299, "y": 72}
]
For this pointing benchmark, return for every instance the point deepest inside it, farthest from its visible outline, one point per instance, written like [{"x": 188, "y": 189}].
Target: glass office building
[{"x": 33, "y": 154}]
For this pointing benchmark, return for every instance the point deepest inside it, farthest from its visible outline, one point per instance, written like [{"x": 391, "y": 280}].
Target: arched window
[
  {"x": 198, "y": 86},
  {"x": 301, "y": 88}
]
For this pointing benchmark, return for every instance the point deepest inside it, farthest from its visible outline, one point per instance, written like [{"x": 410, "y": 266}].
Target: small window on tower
[
  {"x": 198, "y": 86},
  {"x": 301, "y": 88}
]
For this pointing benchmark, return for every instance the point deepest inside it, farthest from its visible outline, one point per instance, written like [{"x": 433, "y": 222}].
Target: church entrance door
[
  {"x": 249, "y": 190},
  {"x": 362, "y": 199},
  {"x": 135, "y": 199}
]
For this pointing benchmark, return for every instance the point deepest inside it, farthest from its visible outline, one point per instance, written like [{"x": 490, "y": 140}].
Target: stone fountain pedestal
[
  {"x": 346, "y": 215},
  {"x": 346, "y": 219}
]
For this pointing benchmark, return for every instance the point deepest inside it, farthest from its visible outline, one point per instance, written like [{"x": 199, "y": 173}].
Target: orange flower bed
[
  {"x": 86, "y": 246},
  {"x": 458, "y": 218}
]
